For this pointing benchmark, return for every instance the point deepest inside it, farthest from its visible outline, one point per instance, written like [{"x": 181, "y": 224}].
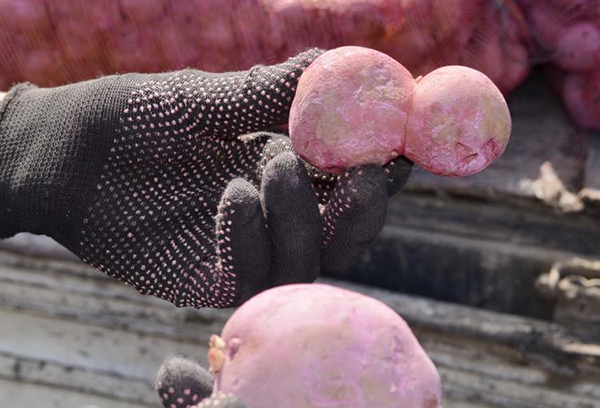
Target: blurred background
[{"x": 496, "y": 273}]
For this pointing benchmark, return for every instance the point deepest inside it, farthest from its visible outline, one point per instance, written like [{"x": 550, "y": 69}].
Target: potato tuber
[
  {"x": 580, "y": 92},
  {"x": 578, "y": 47},
  {"x": 356, "y": 106},
  {"x": 568, "y": 35},
  {"x": 459, "y": 122},
  {"x": 350, "y": 109},
  {"x": 309, "y": 346}
]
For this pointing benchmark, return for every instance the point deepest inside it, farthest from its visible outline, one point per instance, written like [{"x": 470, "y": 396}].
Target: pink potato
[
  {"x": 578, "y": 47},
  {"x": 580, "y": 93},
  {"x": 350, "y": 109},
  {"x": 582, "y": 98},
  {"x": 309, "y": 346},
  {"x": 459, "y": 122}
]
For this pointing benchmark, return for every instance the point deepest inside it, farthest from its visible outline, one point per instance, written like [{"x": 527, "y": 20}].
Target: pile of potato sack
[{"x": 53, "y": 42}]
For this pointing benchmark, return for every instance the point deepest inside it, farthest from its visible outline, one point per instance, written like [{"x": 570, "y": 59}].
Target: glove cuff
[
  {"x": 13, "y": 93},
  {"x": 9, "y": 157}
]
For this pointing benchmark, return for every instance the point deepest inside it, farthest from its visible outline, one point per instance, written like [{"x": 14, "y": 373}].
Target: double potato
[{"x": 356, "y": 106}]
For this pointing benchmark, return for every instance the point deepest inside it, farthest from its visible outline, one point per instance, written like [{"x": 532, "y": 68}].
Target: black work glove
[
  {"x": 156, "y": 180},
  {"x": 183, "y": 383}
]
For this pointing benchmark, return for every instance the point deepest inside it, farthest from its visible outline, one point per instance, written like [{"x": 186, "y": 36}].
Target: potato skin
[
  {"x": 578, "y": 47},
  {"x": 356, "y": 106},
  {"x": 459, "y": 122},
  {"x": 581, "y": 95},
  {"x": 351, "y": 108},
  {"x": 315, "y": 345}
]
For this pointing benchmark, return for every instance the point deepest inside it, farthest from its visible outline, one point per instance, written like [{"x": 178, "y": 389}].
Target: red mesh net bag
[
  {"x": 52, "y": 42},
  {"x": 567, "y": 32}
]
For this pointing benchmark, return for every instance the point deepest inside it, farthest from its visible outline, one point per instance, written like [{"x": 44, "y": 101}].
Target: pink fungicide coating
[
  {"x": 459, "y": 122},
  {"x": 350, "y": 109},
  {"x": 309, "y": 346}
]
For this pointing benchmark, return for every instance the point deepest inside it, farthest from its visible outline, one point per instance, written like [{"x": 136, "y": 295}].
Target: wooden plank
[
  {"x": 75, "y": 379},
  {"x": 106, "y": 302},
  {"x": 88, "y": 298},
  {"x": 482, "y": 273},
  {"x": 505, "y": 394},
  {"x": 539, "y": 339},
  {"x": 591, "y": 182},
  {"x": 451, "y": 403},
  {"x": 461, "y": 365},
  {"x": 447, "y": 317},
  {"x": 520, "y": 225},
  {"x": 488, "y": 264},
  {"x": 477, "y": 254},
  {"x": 181, "y": 325},
  {"x": 77, "y": 344},
  {"x": 488, "y": 360},
  {"x": 16, "y": 394}
]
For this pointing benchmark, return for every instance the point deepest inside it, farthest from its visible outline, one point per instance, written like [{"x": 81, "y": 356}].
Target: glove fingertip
[
  {"x": 354, "y": 216},
  {"x": 304, "y": 59},
  {"x": 359, "y": 188},
  {"x": 182, "y": 382},
  {"x": 398, "y": 173},
  {"x": 243, "y": 245},
  {"x": 242, "y": 196},
  {"x": 294, "y": 221}
]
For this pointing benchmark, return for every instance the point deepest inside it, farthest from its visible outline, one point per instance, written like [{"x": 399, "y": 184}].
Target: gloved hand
[
  {"x": 183, "y": 383},
  {"x": 157, "y": 180}
]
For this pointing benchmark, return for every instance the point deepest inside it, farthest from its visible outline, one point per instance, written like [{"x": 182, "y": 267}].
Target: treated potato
[
  {"x": 459, "y": 122},
  {"x": 315, "y": 345},
  {"x": 578, "y": 47},
  {"x": 350, "y": 109}
]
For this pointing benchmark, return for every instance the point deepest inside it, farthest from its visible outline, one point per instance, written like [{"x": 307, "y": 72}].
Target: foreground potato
[
  {"x": 309, "y": 346},
  {"x": 350, "y": 108},
  {"x": 459, "y": 122}
]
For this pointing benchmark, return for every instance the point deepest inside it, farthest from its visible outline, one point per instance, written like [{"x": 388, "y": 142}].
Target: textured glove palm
[{"x": 158, "y": 180}]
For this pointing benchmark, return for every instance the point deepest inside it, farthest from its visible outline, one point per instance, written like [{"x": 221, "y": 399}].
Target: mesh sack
[
  {"x": 69, "y": 40},
  {"x": 567, "y": 35}
]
